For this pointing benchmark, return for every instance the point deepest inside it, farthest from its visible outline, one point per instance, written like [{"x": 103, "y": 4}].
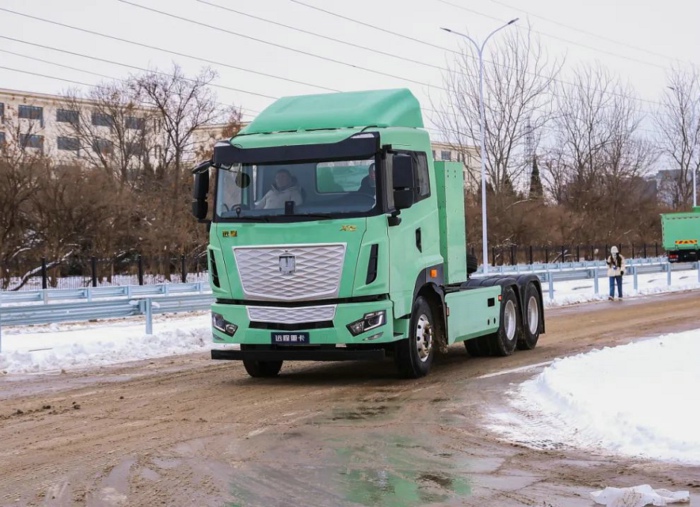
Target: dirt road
[{"x": 189, "y": 431}]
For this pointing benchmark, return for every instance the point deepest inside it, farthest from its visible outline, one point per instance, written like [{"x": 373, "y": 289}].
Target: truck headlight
[
  {"x": 221, "y": 324},
  {"x": 368, "y": 322}
]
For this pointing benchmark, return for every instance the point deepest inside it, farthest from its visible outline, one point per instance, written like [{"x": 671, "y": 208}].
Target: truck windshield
[{"x": 311, "y": 190}]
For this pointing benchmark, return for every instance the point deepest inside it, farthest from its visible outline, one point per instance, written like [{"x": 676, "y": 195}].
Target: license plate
[{"x": 290, "y": 338}]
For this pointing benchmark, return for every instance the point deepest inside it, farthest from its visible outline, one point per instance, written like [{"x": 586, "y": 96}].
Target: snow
[
  {"x": 638, "y": 496},
  {"x": 635, "y": 400},
  {"x": 35, "y": 349}
]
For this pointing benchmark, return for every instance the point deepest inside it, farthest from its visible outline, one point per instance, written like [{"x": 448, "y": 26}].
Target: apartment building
[
  {"x": 45, "y": 123},
  {"x": 468, "y": 155}
]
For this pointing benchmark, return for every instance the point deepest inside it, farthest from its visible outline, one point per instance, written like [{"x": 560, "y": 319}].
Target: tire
[
  {"x": 504, "y": 341},
  {"x": 472, "y": 264},
  {"x": 262, "y": 369},
  {"x": 414, "y": 356},
  {"x": 533, "y": 319}
]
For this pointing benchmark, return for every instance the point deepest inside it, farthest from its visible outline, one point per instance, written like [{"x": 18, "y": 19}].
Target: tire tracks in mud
[{"x": 175, "y": 430}]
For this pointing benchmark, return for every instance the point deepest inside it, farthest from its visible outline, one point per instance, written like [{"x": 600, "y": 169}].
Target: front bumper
[{"x": 321, "y": 334}]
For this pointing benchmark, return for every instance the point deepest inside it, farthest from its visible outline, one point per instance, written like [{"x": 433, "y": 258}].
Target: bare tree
[
  {"x": 678, "y": 121},
  {"x": 599, "y": 158},
  {"x": 518, "y": 81},
  {"x": 110, "y": 128}
]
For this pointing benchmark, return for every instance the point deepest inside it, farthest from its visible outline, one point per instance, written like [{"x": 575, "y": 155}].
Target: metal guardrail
[
  {"x": 42, "y": 306},
  {"x": 93, "y": 293},
  {"x": 595, "y": 270},
  {"x": 558, "y": 266},
  {"x": 48, "y": 306}
]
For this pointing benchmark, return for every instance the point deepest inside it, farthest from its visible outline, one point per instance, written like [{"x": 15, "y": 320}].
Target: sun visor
[{"x": 359, "y": 146}]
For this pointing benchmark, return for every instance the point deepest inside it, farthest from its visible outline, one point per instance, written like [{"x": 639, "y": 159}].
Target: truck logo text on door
[{"x": 287, "y": 264}]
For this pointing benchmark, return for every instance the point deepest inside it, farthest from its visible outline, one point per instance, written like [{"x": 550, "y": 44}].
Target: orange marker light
[{"x": 433, "y": 273}]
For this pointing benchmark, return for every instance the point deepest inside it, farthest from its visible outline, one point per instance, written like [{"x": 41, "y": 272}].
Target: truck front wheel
[
  {"x": 414, "y": 356},
  {"x": 262, "y": 368}
]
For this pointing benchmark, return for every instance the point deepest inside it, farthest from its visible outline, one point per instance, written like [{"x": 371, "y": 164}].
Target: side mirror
[
  {"x": 200, "y": 206},
  {"x": 403, "y": 199},
  {"x": 404, "y": 177}
]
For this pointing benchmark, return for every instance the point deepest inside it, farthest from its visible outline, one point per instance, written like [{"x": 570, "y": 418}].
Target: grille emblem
[{"x": 287, "y": 264}]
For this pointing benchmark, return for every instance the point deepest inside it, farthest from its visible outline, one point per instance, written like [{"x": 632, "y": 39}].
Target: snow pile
[
  {"x": 637, "y": 400},
  {"x": 27, "y": 350},
  {"x": 638, "y": 496}
]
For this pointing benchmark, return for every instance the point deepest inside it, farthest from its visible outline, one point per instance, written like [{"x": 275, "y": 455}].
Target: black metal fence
[
  {"x": 133, "y": 269},
  {"x": 530, "y": 254},
  {"x": 85, "y": 271}
]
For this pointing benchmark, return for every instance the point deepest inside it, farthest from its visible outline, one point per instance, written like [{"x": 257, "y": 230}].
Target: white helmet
[{"x": 613, "y": 250}]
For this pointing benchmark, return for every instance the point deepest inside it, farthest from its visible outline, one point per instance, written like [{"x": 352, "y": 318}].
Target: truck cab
[{"x": 335, "y": 236}]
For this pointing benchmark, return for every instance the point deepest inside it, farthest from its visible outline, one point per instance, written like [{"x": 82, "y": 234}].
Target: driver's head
[
  {"x": 283, "y": 179},
  {"x": 372, "y": 175}
]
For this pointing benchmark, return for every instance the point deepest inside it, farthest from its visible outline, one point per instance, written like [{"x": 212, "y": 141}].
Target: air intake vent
[
  {"x": 214, "y": 270},
  {"x": 372, "y": 264}
]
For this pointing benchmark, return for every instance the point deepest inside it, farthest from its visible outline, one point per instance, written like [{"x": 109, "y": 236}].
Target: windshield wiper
[
  {"x": 313, "y": 215},
  {"x": 264, "y": 218}
]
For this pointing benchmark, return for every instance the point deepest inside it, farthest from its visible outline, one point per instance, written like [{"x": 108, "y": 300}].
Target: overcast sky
[{"x": 638, "y": 40}]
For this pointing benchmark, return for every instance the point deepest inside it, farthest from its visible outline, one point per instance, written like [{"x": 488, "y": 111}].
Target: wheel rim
[
  {"x": 510, "y": 320},
  {"x": 533, "y": 314},
  {"x": 424, "y": 338}
]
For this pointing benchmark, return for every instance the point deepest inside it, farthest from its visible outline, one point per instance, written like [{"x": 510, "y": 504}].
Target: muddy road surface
[{"x": 190, "y": 431}]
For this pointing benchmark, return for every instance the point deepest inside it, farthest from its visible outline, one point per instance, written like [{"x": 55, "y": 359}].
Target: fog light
[
  {"x": 368, "y": 322},
  {"x": 221, "y": 324}
]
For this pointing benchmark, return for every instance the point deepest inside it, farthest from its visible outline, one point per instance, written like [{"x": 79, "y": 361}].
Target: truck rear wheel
[
  {"x": 262, "y": 368},
  {"x": 414, "y": 356},
  {"x": 503, "y": 342},
  {"x": 533, "y": 319}
]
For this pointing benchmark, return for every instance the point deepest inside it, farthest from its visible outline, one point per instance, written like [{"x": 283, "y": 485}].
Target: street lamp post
[{"x": 482, "y": 121}]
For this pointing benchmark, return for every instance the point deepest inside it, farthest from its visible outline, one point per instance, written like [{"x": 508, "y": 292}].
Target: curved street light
[{"x": 482, "y": 120}]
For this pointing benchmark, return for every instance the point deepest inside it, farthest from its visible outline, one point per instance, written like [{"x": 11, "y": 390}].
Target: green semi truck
[
  {"x": 681, "y": 235},
  {"x": 335, "y": 236}
]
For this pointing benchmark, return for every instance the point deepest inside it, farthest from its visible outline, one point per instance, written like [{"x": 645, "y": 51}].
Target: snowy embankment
[
  {"x": 34, "y": 349},
  {"x": 637, "y": 400}
]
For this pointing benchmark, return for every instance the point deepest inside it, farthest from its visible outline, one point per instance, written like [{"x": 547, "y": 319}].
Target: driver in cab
[{"x": 283, "y": 189}]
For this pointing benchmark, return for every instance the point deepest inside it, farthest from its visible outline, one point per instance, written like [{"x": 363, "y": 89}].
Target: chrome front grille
[
  {"x": 290, "y": 273},
  {"x": 299, "y": 315}
]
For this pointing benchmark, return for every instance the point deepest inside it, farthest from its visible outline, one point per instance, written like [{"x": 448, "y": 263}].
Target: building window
[
  {"x": 103, "y": 146},
  {"x": 67, "y": 116},
  {"x": 446, "y": 155},
  {"x": 68, "y": 143},
  {"x": 31, "y": 112},
  {"x": 102, "y": 120},
  {"x": 2, "y": 112},
  {"x": 2, "y": 139},
  {"x": 31, "y": 141},
  {"x": 134, "y": 149},
  {"x": 132, "y": 122},
  {"x": 434, "y": 155}
]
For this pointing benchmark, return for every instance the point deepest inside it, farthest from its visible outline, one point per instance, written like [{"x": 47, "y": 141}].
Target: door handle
[{"x": 419, "y": 240}]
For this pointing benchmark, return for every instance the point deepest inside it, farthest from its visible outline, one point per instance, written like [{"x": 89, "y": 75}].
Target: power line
[
  {"x": 104, "y": 60},
  {"x": 325, "y": 37},
  {"x": 280, "y": 46},
  {"x": 163, "y": 50},
  {"x": 429, "y": 44},
  {"x": 57, "y": 64},
  {"x": 586, "y": 32},
  {"x": 46, "y": 76},
  {"x": 76, "y": 69},
  {"x": 609, "y": 53}
]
